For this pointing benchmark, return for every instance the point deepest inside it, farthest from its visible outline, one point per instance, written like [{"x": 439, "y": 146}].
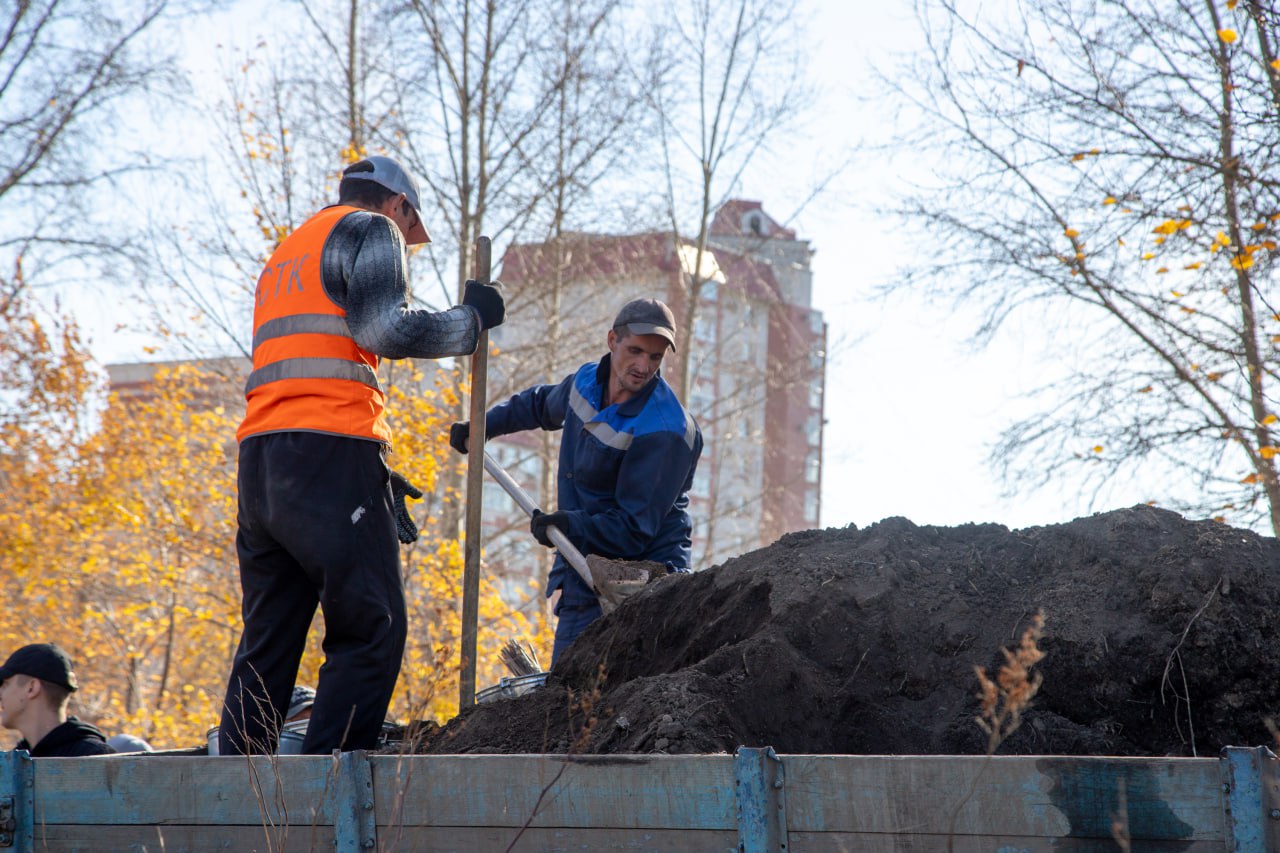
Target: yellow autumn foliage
[{"x": 117, "y": 541}]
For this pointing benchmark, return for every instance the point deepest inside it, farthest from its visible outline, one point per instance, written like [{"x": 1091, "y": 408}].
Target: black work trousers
[{"x": 316, "y": 526}]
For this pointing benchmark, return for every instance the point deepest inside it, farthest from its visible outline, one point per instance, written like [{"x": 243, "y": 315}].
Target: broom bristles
[{"x": 519, "y": 660}]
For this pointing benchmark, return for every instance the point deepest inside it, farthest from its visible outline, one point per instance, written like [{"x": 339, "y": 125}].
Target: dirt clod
[{"x": 1160, "y": 639}]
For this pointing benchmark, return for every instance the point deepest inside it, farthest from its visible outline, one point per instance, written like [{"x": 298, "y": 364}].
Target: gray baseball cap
[
  {"x": 390, "y": 174},
  {"x": 648, "y": 317}
]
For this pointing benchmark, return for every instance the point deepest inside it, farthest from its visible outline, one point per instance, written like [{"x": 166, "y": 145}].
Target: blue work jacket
[{"x": 624, "y": 473}]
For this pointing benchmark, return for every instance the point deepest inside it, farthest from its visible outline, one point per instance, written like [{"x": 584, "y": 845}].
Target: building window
[
  {"x": 813, "y": 429},
  {"x": 812, "y": 467},
  {"x": 704, "y": 328}
]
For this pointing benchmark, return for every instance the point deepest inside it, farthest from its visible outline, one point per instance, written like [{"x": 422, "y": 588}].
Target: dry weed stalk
[
  {"x": 584, "y": 704},
  {"x": 1005, "y": 697},
  {"x": 411, "y": 739}
]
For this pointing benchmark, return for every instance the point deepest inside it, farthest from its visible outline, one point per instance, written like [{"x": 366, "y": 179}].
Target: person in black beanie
[{"x": 36, "y": 683}]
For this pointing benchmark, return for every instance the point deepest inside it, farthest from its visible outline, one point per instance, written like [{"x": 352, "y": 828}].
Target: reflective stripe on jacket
[{"x": 308, "y": 374}]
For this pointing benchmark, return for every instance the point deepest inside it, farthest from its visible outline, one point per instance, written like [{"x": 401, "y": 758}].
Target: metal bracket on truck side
[
  {"x": 762, "y": 801},
  {"x": 354, "y": 825},
  {"x": 1251, "y": 798},
  {"x": 17, "y": 799}
]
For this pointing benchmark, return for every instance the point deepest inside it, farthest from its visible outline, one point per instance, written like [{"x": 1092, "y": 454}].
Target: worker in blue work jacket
[{"x": 627, "y": 459}]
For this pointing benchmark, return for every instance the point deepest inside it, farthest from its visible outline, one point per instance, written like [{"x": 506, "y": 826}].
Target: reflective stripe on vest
[{"x": 307, "y": 367}]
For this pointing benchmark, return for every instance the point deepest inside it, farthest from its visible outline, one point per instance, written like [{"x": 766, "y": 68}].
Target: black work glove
[
  {"x": 488, "y": 302},
  {"x": 540, "y": 521},
  {"x": 459, "y": 435},
  {"x": 406, "y": 530}
]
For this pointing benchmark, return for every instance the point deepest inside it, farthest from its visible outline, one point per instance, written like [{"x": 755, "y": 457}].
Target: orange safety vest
[{"x": 309, "y": 374}]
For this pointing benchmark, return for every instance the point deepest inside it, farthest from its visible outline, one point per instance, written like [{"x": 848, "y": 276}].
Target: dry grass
[
  {"x": 586, "y": 705},
  {"x": 1002, "y": 701},
  {"x": 1004, "y": 698}
]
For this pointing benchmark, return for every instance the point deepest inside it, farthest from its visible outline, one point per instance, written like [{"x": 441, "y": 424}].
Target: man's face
[
  {"x": 14, "y": 698},
  {"x": 634, "y": 359}
]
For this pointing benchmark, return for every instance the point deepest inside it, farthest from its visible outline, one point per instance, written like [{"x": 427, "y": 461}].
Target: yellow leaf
[
  {"x": 1223, "y": 239},
  {"x": 1269, "y": 245},
  {"x": 1213, "y": 377},
  {"x": 1109, "y": 200},
  {"x": 1076, "y": 158},
  {"x": 1227, "y": 36},
  {"x": 1176, "y": 294},
  {"x": 1186, "y": 310},
  {"x": 1252, "y": 478},
  {"x": 1275, "y": 63},
  {"x": 1071, "y": 232},
  {"x": 1145, "y": 390},
  {"x": 1241, "y": 262},
  {"x": 1268, "y": 452},
  {"x": 1162, "y": 270},
  {"x": 1231, "y": 4},
  {"x": 1147, "y": 256},
  {"x": 1120, "y": 241},
  {"x": 1193, "y": 266},
  {"x": 1221, "y": 519},
  {"x": 1258, "y": 226},
  {"x": 1270, "y": 419},
  {"x": 1097, "y": 448}
]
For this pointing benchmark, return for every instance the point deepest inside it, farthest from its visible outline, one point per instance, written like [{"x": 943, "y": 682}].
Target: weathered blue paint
[
  {"x": 762, "y": 805},
  {"x": 17, "y": 779},
  {"x": 354, "y": 825},
  {"x": 1087, "y": 792},
  {"x": 1249, "y": 780}
]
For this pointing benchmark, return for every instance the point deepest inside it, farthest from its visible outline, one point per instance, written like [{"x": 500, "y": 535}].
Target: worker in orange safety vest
[{"x": 320, "y": 511}]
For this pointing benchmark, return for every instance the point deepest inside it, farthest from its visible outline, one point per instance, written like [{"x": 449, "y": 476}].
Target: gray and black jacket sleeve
[{"x": 362, "y": 266}]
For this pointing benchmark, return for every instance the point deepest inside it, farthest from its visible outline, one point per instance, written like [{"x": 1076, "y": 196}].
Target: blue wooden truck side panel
[{"x": 754, "y": 801}]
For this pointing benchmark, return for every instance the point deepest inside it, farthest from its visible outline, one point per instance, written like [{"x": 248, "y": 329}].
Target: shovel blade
[{"x": 617, "y": 580}]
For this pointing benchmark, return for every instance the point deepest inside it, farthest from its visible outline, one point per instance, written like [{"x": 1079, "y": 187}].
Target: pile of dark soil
[{"x": 1160, "y": 639}]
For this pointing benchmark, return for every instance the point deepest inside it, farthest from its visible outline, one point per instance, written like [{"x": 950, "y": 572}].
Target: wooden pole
[{"x": 475, "y": 493}]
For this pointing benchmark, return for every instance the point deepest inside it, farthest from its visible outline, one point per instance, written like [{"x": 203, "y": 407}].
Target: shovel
[{"x": 612, "y": 580}]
